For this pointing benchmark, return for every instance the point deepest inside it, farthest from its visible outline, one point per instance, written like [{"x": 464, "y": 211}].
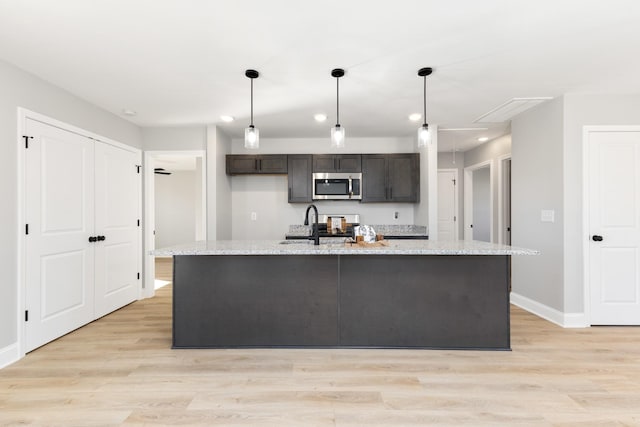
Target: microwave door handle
[{"x": 350, "y": 187}]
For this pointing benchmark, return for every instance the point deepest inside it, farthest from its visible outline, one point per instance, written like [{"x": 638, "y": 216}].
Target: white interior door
[
  {"x": 59, "y": 211},
  {"x": 447, "y": 206},
  {"x": 116, "y": 189},
  {"x": 614, "y": 217}
]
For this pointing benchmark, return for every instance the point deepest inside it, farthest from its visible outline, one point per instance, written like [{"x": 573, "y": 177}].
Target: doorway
[
  {"x": 448, "y": 204},
  {"x": 478, "y": 202},
  {"x": 175, "y": 206},
  {"x": 611, "y": 209},
  {"x": 504, "y": 199}
]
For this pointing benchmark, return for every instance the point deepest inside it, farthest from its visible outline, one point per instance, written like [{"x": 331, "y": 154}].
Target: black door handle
[
  {"x": 93, "y": 239},
  {"x": 101, "y": 238},
  {"x": 596, "y": 238}
]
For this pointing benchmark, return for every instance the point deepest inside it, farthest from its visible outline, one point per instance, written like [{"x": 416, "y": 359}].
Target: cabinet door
[
  {"x": 403, "y": 177},
  {"x": 299, "y": 176},
  {"x": 324, "y": 163},
  {"x": 274, "y": 163},
  {"x": 348, "y": 163},
  {"x": 374, "y": 178},
  {"x": 241, "y": 163}
]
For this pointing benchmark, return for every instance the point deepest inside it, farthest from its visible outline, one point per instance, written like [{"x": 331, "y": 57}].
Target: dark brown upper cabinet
[
  {"x": 391, "y": 177},
  {"x": 337, "y": 163},
  {"x": 299, "y": 178},
  {"x": 238, "y": 164}
]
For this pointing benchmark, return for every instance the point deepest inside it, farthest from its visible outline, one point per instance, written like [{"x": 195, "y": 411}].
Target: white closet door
[
  {"x": 59, "y": 183},
  {"x": 447, "y": 205},
  {"x": 614, "y": 221},
  {"x": 116, "y": 185}
]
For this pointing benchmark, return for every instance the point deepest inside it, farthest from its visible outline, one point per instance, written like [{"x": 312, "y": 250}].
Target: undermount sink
[{"x": 332, "y": 242}]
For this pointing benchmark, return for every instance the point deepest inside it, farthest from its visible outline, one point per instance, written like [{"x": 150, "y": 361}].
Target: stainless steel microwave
[{"x": 337, "y": 186}]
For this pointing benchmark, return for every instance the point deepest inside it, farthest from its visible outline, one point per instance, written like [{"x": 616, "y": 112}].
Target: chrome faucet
[{"x": 315, "y": 233}]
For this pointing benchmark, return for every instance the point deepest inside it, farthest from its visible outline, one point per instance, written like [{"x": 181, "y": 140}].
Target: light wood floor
[{"x": 120, "y": 370}]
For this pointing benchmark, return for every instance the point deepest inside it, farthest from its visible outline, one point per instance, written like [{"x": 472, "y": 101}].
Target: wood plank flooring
[{"x": 120, "y": 370}]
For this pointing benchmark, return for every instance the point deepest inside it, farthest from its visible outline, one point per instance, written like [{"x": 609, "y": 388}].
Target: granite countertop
[{"x": 330, "y": 246}]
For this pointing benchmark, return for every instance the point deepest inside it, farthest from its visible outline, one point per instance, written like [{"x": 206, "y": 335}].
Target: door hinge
[
  {"x": 454, "y": 218},
  {"x": 138, "y": 168},
  {"x": 26, "y": 229},
  {"x": 26, "y": 140},
  {"x": 138, "y": 276},
  {"x": 26, "y": 315},
  {"x": 454, "y": 181}
]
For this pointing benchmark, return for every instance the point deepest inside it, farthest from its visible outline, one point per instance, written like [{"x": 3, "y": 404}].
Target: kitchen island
[{"x": 409, "y": 294}]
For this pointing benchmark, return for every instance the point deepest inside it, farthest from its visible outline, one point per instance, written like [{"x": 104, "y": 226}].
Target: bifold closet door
[
  {"x": 117, "y": 253},
  {"x": 59, "y": 211}
]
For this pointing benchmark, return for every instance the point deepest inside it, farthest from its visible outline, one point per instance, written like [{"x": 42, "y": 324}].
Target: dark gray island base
[{"x": 395, "y": 301}]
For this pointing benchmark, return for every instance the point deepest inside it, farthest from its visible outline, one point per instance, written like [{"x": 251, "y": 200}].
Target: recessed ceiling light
[
  {"x": 415, "y": 117},
  {"x": 320, "y": 117},
  {"x": 127, "y": 112},
  {"x": 227, "y": 119},
  {"x": 483, "y": 139}
]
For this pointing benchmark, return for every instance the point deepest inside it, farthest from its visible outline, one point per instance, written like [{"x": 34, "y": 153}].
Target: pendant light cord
[
  {"x": 424, "y": 99},
  {"x": 251, "y": 102},
  {"x": 337, "y": 100}
]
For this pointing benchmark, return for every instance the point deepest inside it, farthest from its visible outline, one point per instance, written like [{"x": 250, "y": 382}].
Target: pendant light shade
[
  {"x": 251, "y": 134},
  {"x": 424, "y": 134},
  {"x": 337, "y": 132}
]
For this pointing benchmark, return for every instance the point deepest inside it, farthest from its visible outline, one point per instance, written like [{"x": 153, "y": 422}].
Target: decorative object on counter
[
  {"x": 367, "y": 232},
  {"x": 251, "y": 134},
  {"x": 337, "y": 132},
  {"x": 336, "y": 225},
  {"x": 424, "y": 135}
]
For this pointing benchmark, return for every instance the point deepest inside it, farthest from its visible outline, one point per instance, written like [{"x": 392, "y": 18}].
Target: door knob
[{"x": 596, "y": 238}]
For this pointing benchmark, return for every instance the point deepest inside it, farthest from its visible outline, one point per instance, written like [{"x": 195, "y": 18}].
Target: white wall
[
  {"x": 224, "y": 214},
  {"x": 20, "y": 89},
  {"x": 580, "y": 111},
  {"x": 266, "y": 195},
  {"x": 537, "y": 183},
  {"x": 175, "y": 208},
  {"x": 547, "y": 173},
  {"x": 482, "y": 205},
  {"x": 174, "y": 138}
]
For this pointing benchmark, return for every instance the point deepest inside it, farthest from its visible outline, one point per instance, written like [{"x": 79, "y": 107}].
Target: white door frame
[
  {"x": 23, "y": 115},
  {"x": 468, "y": 197},
  {"x": 149, "y": 208},
  {"x": 501, "y": 194},
  {"x": 586, "y": 232},
  {"x": 456, "y": 201}
]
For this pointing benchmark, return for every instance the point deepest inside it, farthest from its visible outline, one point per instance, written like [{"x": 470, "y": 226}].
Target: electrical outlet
[{"x": 254, "y": 216}]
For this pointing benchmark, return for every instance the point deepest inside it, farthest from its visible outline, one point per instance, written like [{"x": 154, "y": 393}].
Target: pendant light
[
  {"x": 424, "y": 135},
  {"x": 337, "y": 132},
  {"x": 251, "y": 134}
]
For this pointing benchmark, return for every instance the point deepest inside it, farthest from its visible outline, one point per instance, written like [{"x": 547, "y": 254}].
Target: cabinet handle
[
  {"x": 93, "y": 239},
  {"x": 596, "y": 238},
  {"x": 255, "y": 164},
  {"x": 338, "y": 165}
]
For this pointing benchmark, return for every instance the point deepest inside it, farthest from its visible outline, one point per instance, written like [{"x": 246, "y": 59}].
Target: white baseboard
[
  {"x": 9, "y": 355},
  {"x": 566, "y": 320}
]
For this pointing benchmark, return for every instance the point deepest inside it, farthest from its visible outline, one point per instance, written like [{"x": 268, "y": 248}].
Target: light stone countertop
[{"x": 331, "y": 246}]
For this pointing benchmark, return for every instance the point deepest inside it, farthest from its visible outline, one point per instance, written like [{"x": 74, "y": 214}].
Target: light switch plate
[{"x": 547, "y": 215}]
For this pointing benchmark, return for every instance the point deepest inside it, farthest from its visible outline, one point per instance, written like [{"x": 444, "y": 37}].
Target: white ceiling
[{"x": 182, "y": 62}]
